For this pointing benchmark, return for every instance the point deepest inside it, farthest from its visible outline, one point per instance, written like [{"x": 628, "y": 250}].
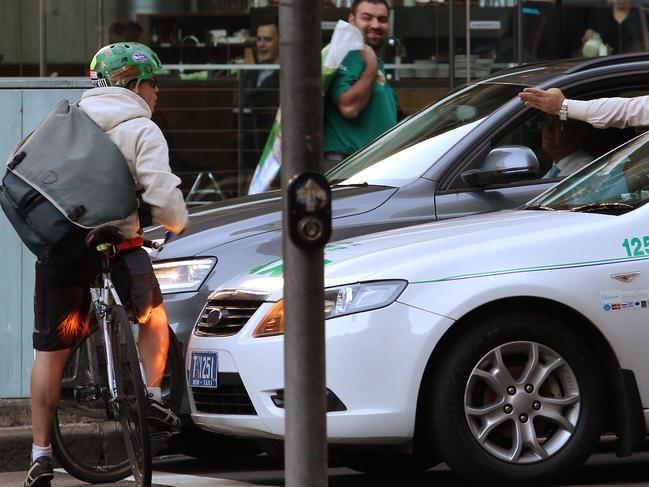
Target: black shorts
[{"x": 62, "y": 295}]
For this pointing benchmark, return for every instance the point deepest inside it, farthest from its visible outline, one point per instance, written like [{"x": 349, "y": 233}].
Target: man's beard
[{"x": 376, "y": 45}]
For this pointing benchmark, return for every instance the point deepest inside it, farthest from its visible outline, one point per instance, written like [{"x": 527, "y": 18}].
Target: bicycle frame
[{"x": 103, "y": 298}]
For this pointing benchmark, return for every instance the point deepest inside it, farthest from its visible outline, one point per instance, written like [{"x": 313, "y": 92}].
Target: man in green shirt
[{"x": 359, "y": 104}]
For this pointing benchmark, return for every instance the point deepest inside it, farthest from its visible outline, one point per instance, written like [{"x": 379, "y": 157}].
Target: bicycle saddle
[{"x": 109, "y": 234}]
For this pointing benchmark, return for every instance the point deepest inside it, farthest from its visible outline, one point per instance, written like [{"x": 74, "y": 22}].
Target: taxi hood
[{"x": 476, "y": 246}]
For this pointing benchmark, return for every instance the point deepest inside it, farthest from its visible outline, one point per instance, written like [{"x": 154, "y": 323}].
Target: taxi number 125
[{"x": 636, "y": 246}]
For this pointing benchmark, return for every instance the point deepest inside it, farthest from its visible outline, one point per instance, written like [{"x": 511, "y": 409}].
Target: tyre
[
  {"x": 516, "y": 399},
  {"x": 131, "y": 402},
  {"x": 87, "y": 439}
]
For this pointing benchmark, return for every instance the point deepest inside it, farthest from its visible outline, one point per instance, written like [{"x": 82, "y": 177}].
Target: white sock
[
  {"x": 155, "y": 393},
  {"x": 41, "y": 451}
]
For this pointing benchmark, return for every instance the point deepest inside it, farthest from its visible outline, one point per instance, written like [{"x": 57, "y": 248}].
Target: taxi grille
[
  {"x": 229, "y": 397},
  {"x": 227, "y": 312}
]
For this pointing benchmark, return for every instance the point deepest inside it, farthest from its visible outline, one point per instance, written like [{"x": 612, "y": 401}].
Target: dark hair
[
  {"x": 124, "y": 31},
  {"x": 356, "y": 3},
  {"x": 269, "y": 19}
]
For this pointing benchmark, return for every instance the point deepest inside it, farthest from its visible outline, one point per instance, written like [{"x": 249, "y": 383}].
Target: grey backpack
[{"x": 62, "y": 180}]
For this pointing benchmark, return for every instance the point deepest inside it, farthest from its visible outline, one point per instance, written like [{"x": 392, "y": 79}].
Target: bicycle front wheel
[{"x": 131, "y": 400}]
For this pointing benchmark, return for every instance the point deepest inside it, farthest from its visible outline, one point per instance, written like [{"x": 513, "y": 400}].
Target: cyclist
[{"x": 121, "y": 103}]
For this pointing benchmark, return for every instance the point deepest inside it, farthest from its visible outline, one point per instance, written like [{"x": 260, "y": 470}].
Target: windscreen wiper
[
  {"x": 594, "y": 207},
  {"x": 538, "y": 207}
]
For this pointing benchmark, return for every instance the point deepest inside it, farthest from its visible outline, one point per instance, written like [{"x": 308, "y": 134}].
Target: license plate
[{"x": 204, "y": 369}]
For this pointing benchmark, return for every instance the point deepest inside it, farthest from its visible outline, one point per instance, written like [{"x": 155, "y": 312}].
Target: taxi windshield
[
  {"x": 430, "y": 132},
  {"x": 614, "y": 184}
]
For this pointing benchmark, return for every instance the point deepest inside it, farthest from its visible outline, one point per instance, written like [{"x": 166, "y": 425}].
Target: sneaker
[
  {"x": 161, "y": 417},
  {"x": 40, "y": 473}
]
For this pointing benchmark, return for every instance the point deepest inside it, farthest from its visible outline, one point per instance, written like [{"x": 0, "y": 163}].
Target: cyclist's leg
[
  {"x": 60, "y": 308},
  {"x": 153, "y": 344},
  {"x": 136, "y": 282},
  {"x": 45, "y": 392},
  {"x": 139, "y": 289}
]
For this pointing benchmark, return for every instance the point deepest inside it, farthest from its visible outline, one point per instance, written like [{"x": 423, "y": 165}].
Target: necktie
[{"x": 553, "y": 172}]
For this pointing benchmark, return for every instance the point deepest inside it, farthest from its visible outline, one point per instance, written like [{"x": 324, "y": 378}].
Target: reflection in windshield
[
  {"x": 465, "y": 107},
  {"x": 394, "y": 171},
  {"x": 615, "y": 183}
]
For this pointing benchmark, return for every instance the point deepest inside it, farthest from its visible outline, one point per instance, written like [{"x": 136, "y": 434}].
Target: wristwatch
[{"x": 563, "y": 111}]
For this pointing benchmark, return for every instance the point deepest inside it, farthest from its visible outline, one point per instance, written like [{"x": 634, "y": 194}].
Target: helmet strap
[{"x": 136, "y": 89}]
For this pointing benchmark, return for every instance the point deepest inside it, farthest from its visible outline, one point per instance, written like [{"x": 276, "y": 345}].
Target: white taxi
[{"x": 503, "y": 344}]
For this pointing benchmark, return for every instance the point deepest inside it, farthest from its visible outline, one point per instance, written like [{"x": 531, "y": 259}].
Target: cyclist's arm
[{"x": 159, "y": 184}]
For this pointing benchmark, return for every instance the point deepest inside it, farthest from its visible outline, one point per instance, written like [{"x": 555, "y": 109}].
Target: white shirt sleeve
[{"x": 611, "y": 112}]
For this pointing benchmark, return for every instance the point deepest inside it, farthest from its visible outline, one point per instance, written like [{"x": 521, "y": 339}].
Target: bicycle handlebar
[{"x": 157, "y": 244}]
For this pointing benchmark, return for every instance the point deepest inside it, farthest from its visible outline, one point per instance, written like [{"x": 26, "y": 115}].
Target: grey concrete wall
[{"x": 23, "y": 103}]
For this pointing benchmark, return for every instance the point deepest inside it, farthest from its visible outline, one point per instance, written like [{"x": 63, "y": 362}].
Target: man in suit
[{"x": 260, "y": 95}]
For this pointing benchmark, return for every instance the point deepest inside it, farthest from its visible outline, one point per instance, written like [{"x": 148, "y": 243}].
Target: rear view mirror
[{"x": 504, "y": 165}]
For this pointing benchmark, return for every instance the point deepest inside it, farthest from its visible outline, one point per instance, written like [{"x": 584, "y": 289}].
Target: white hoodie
[{"x": 126, "y": 119}]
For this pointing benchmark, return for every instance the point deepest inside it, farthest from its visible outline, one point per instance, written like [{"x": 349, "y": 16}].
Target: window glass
[
  {"x": 616, "y": 183},
  {"x": 465, "y": 108},
  {"x": 562, "y": 148}
]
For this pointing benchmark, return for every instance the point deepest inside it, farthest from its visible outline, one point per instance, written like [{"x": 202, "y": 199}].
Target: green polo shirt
[{"x": 380, "y": 114}]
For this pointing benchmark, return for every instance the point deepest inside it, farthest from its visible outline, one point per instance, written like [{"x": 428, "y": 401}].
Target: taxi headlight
[
  {"x": 355, "y": 298},
  {"x": 339, "y": 301},
  {"x": 179, "y": 276}
]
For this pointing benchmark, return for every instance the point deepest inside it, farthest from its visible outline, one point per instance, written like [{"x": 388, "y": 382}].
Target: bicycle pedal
[{"x": 87, "y": 393}]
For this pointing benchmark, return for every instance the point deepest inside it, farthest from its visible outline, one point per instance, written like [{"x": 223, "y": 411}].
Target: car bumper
[{"x": 375, "y": 363}]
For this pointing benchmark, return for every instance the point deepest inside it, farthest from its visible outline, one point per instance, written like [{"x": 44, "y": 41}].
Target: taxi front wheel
[{"x": 516, "y": 399}]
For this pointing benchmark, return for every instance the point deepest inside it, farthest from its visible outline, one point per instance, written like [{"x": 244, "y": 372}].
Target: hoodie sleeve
[{"x": 160, "y": 185}]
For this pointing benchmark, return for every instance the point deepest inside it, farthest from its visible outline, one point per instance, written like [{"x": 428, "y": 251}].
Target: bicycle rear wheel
[
  {"x": 87, "y": 438},
  {"x": 131, "y": 398}
]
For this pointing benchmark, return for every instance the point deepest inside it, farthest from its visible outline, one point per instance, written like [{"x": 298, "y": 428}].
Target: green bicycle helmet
[{"x": 120, "y": 63}]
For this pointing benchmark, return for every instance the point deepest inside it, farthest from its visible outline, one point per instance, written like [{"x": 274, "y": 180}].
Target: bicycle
[{"x": 100, "y": 431}]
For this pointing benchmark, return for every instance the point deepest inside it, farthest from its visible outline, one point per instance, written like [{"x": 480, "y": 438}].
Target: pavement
[
  {"x": 15, "y": 434},
  {"x": 160, "y": 479},
  {"x": 16, "y": 444}
]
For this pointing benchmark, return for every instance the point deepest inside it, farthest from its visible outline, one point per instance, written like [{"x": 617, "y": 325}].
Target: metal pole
[
  {"x": 451, "y": 47},
  {"x": 304, "y": 348},
  {"x": 468, "y": 41},
  {"x": 100, "y": 23},
  {"x": 43, "y": 37},
  {"x": 519, "y": 31},
  {"x": 240, "y": 116}
]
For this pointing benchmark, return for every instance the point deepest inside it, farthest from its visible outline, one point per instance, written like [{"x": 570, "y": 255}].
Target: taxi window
[{"x": 614, "y": 184}]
